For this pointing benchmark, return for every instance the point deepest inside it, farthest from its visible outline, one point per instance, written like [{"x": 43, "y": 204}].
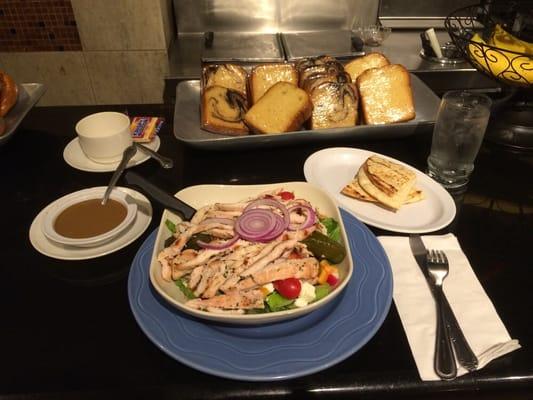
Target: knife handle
[
  {"x": 159, "y": 195},
  {"x": 463, "y": 352}
]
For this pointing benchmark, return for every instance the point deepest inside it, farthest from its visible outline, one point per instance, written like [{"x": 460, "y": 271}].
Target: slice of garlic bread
[{"x": 283, "y": 108}]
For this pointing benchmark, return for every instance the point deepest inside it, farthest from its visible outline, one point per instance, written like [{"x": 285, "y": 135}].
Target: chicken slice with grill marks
[
  {"x": 205, "y": 255},
  {"x": 216, "y": 280},
  {"x": 221, "y": 233},
  {"x": 301, "y": 268},
  {"x": 240, "y": 206},
  {"x": 166, "y": 256},
  {"x": 299, "y": 251},
  {"x": 300, "y": 234},
  {"x": 184, "y": 256},
  {"x": 195, "y": 277},
  {"x": 207, "y": 273},
  {"x": 276, "y": 252},
  {"x": 200, "y": 214},
  {"x": 237, "y": 262},
  {"x": 266, "y": 249},
  {"x": 233, "y": 300},
  {"x": 222, "y": 214}
]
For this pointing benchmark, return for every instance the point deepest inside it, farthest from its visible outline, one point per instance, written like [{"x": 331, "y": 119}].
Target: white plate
[
  {"x": 331, "y": 169},
  {"x": 76, "y": 158},
  {"x": 63, "y": 252}
]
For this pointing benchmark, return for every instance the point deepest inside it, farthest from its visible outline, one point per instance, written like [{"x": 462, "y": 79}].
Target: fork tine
[{"x": 444, "y": 258}]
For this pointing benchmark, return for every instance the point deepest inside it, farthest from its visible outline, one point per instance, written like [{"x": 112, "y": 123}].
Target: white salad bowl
[
  {"x": 88, "y": 194},
  {"x": 202, "y": 195}
]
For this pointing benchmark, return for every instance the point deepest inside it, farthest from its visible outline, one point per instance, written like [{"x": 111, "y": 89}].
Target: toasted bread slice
[
  {"x": 311, "y": 61},
  {"x": 386, "y": 95},
  {"x": 223, "y": 111},
  {"x": 263, "y": 77},
  {"x": 230, "y": 76},
  {"x": 283, "y": 108},
  {"x": 388, "y": 182},
  {"x": 334, "y": 105},
  {"x": 359, "y": 65}
]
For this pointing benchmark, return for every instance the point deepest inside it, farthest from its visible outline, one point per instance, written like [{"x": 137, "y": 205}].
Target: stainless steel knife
[{"x": 464, "y": 354}]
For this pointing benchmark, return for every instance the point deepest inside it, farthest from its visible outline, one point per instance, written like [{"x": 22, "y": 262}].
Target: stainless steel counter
[{"x": 401, "y": 47}]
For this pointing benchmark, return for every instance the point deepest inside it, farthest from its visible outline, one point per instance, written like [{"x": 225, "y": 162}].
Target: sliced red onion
[
  {"x": 272, "y": 203},
  {"x": 310, "y": 218},
  {"x": 218, "y": 246},
  {"x": 259, "y": 225},
  {"x": 279, "y": 228}
]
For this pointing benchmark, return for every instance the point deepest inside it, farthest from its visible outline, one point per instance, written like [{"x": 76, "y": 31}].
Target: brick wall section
[{"x": 38, "y": 25}]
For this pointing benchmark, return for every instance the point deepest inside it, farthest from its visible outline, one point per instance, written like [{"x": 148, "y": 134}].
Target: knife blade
[{"x": 463, "y": 352}]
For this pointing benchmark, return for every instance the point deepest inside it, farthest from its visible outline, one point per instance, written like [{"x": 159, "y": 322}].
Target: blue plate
[{"x": 276, "y": 351}]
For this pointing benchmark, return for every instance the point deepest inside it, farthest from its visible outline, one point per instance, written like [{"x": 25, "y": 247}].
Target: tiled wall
[
  {"x": 122, "y": 58},
  {"x": 44, "y": 25}
]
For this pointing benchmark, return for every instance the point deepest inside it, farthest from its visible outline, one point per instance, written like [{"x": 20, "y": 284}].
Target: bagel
[{"x": 8, "y": 93}]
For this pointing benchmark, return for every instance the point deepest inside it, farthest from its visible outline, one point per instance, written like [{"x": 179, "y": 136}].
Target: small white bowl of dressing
[{"x": 79, "y": 219}]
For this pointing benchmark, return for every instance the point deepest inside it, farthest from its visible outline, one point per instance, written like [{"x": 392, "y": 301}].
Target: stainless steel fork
[{"x": 444, "y": 362}]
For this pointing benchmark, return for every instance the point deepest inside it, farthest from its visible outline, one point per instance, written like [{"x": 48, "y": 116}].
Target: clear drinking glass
[{"x": 461, "y": 122}]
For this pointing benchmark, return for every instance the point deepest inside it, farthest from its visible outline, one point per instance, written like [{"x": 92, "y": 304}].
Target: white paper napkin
[{"x": 475, "y": 313}]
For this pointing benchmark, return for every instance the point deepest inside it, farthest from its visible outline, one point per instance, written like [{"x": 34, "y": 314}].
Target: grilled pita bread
[
  {"x": 354, "y": 190},
  {"x": 386, "y": 181}
]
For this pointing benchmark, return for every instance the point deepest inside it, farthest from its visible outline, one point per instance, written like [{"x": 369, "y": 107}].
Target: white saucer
[
  {"x": 76, "y": 158},
  {"x": 63, "y": 252}
]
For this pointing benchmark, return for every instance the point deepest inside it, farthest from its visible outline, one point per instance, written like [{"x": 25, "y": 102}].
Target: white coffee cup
[{"x": 104, "y": 136}]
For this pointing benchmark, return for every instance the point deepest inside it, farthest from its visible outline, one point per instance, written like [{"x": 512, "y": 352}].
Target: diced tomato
[
  {"x": 289, "y": 288},
  {"x": 286, "y": 195},
  {"x": 332, "y": 280}
]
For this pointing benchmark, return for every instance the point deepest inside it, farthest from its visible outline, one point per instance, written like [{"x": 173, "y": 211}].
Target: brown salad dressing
[{"x": 89, "y": 218}]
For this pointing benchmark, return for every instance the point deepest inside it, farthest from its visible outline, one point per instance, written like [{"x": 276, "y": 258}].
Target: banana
[
  {"x": 504, "y": 40},
  {"x": 503, "y": 65}
]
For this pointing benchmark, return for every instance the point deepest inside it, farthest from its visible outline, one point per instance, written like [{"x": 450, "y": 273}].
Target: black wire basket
[{"x": 471, "y": 29}]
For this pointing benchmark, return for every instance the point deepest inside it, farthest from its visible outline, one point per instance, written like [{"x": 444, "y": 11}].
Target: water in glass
[{"x": 457, "y": 137}]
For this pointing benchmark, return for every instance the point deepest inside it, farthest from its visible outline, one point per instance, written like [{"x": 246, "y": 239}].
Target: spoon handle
[
  {"x": 126, "y": 157},
  {"x": 165, "y": 162}
]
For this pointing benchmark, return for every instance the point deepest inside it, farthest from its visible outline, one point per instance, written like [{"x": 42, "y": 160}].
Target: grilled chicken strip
[
  {"x": 301, "y": 268},
  {"x": 271, "y": 256},
  {"x": 231, "y": 301}
]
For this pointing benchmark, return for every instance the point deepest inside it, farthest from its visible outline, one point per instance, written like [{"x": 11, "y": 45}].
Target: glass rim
[{"x": 466, "y": 94}]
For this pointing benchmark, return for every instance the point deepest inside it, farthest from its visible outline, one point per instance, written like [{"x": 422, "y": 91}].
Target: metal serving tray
[{"x": 187, "y": 123}]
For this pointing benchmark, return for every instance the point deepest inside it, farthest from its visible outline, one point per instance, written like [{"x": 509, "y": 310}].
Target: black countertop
[{"x": 67, "y": 329}]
